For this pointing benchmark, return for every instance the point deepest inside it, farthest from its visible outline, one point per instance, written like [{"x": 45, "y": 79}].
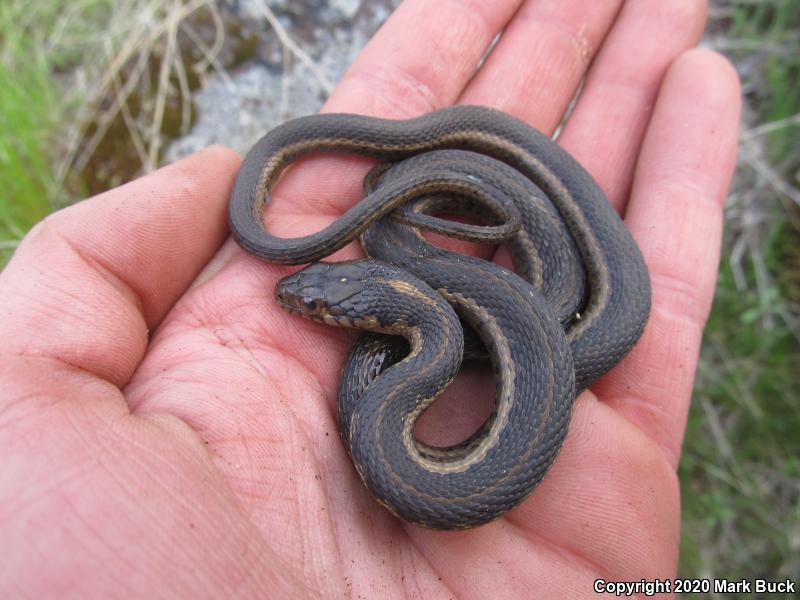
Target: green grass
[
  {"x": 66, "y": 71},
  {"x": 29, "y": 116},
  {"x": 740, "y": 470}
]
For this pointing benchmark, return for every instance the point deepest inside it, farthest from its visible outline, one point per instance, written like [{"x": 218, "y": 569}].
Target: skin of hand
[{"x": 165, "y": 426}]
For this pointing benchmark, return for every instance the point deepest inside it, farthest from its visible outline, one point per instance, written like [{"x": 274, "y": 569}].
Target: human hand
[{"x": 164, "y": 425}]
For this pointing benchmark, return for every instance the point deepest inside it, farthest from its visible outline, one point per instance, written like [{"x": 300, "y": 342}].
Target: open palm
[{"x": 164, "y": 426}]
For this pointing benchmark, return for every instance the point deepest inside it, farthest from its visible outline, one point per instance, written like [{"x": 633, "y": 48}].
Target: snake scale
[{"x": 576, "y": 305}]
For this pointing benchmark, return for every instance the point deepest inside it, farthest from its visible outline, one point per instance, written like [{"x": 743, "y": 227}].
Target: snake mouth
[
  {"x": 323, "y": 317},
  {"x": 320, "y": 318}
]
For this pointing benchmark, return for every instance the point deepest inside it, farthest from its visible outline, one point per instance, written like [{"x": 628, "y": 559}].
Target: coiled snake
[{"x": 578, "y": 305}]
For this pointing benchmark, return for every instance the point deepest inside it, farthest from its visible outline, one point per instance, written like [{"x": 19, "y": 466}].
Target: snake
[{"x": 574, "y": 305}]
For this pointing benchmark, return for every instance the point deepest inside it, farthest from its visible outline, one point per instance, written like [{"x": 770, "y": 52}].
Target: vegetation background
[{"x": 92, "y": 90}]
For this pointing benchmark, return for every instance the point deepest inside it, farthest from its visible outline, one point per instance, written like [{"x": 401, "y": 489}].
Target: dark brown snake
[{"x": 578, "y": 305}]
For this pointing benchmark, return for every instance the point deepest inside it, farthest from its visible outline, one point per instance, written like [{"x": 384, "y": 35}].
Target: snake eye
[{"x": 309, "y": 303}]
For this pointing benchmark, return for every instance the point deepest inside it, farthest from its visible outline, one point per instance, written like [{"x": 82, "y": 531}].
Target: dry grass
[{"x": 117, "y": 78}]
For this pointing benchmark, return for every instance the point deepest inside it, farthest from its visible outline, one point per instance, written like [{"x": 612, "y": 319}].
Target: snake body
[{"x": 580, "y": 303}]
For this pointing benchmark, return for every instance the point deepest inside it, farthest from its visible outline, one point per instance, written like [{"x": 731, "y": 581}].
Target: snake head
[{"x": 327, "y": 292}]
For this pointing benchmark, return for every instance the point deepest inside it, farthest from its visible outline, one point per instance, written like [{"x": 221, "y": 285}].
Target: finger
[
  {"x": 89, "y": 282},
  {"x": 422, "y": 57},
  {"x": 606, "y": 129},
  {"x": 544, "y": 52},
  {"x": 675, "y": 215}
]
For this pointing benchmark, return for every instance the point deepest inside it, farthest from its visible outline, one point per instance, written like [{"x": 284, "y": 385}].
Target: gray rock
[{"x": 237, "y": 108}]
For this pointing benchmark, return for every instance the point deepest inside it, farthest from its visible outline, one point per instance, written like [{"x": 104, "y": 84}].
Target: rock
[{"x": 236, "y": 108}]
